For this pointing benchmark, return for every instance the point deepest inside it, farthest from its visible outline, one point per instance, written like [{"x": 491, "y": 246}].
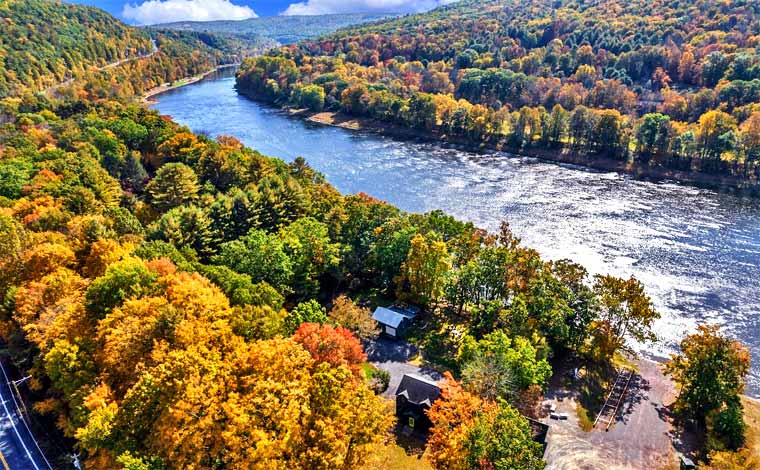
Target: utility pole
[{"x": 15, "y": 384}]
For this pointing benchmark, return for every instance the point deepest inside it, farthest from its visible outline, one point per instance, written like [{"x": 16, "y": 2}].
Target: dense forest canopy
[
  {"x": 181, "y": 301},
  {"x": 668, "y": 83}
]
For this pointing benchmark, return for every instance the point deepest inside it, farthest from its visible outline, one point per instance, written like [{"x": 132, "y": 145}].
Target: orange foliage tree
[
  {"x": 452, "y": 415},
  {"x": 334, "y": 345}
]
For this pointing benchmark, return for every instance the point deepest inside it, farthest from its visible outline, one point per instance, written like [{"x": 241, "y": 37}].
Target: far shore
[
  {"x": 721, "y": 183},
  {"x": 702, "y": 180},
  {"x": 148, "y": 95}
]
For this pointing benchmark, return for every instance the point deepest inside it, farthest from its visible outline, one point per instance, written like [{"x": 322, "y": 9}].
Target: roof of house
[
  {"x": 418, "y": 390},
  {"x": 388, "y": 317}
]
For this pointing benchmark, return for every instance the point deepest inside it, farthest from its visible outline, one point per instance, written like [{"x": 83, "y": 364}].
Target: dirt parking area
[{"x": 640, "y": 438}]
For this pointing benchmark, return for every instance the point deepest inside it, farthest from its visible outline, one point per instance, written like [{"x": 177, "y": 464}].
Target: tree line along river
[{"x": 696, "y": 250}]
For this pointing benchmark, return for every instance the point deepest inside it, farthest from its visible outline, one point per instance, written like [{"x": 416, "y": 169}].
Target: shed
[
  {"x": 414, "y": 396},
  {"x": 391, "y": 320}
]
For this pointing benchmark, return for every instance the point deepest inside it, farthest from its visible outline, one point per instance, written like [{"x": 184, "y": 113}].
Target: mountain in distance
[{"x": 275, "y": 30}]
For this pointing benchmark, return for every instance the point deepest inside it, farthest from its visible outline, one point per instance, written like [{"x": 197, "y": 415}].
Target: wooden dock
[{"x": 609, "y": 410}]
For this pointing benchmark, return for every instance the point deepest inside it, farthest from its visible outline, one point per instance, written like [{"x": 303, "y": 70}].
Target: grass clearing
[
  {"x": 377, "y": 379},
  {"x": 621, "y": 360},
  {"x": 584, "y": 420},
  {"x": 394, "y": 457}
]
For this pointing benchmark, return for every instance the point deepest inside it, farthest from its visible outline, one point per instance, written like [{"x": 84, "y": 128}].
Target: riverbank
[
  {"x": 148, "y": 95},
  {"x": 702, "y": 180}
]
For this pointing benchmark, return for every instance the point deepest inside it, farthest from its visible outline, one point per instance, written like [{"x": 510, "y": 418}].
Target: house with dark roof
[
  {"x": 414, "y": 396},
  {"x": 393, "y": 319}
]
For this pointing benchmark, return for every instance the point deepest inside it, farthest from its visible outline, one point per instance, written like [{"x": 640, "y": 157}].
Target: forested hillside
[
  {"x": 44, "y": 43},
  {"x": 665, "y": 83},
  {"x": 183, "y": 302}
]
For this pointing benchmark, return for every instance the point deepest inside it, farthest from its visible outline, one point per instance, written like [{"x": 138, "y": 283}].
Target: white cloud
[
  {"x": 321, "y": 7},
  {"x": 166, "y": 11}
]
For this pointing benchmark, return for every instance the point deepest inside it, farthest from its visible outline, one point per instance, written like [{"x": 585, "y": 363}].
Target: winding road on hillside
[
  {"x": 106, "y": 67},
  {"x": 18, "y": 448}
]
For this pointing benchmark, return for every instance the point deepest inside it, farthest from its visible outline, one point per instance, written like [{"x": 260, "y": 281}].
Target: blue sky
[
  {"x": 157, "y": 11},
  {"x": 261, "y": 7}
]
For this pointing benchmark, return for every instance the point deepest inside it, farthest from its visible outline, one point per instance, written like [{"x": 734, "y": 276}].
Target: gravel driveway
[
  {"x": 640, "y": 439},
  {"x": 393, "y": 356}
]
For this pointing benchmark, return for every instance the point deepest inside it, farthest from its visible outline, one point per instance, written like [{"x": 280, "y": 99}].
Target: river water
[{"x": 697, "y": 251}]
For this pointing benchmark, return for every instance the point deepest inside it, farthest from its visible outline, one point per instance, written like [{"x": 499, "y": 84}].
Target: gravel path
[{"x": 394, "y": 356}]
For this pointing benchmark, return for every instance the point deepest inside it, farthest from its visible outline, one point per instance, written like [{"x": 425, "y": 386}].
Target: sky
[{"x": 162, "y": 11}]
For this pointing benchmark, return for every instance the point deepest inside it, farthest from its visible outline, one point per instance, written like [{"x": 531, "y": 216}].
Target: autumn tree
[
  {"x": 750, "y": 140},
  {"x": 687, "y": 68},
  {"x": 335, "y": 346},
  {"x": 625, "y": 311},
  {"x": 311, "y": 97},
  {"x": 660, "y": 79},
  {"x": 303, "y": 415},
  {"x": 470, "y": 433},
  {"x": 729, "y": 460},
  {"x": 710, "y": 371},
  {"x": 421, "y": 111},
  {"x": 347, "y": 314},
  {"x": 256, "y": 322},
  {"x": 452, "y": 415},
  {"x": 13, "y": 241},
  {"x": 556, "y": 126},
  {"x": 715, "y": 134},
  {"x": 426, "y": 267}
]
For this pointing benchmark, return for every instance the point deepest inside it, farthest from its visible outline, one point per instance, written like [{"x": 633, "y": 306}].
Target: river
[{"x": 697, "y": 251}]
